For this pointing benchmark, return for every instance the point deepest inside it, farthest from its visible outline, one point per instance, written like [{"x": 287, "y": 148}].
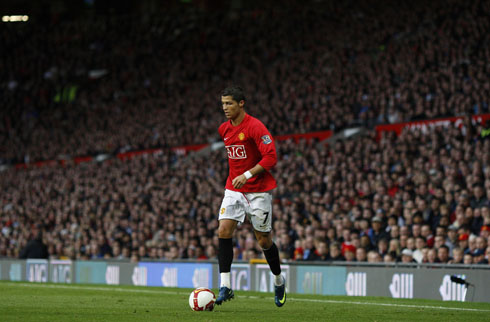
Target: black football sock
[
  {"x": 272, "y": 256},
  {"x": 225, "y": 254}
]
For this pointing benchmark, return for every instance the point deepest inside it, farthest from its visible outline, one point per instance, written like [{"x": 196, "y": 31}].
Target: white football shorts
[{"x": 257, "y": 206}]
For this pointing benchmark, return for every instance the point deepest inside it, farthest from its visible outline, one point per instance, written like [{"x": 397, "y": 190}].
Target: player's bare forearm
[{"x": 241, "y": 180}]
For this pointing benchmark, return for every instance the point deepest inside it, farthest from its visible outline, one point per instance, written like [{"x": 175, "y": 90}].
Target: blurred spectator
[
  {"x": 451, "y": 239},
  {"x": 373, "y": 257},
  {"x": 478, "y": 256},
  {"x": 286, "y": 247},
  {"x": 458, "y": 255},
  {"x": 394, "y": 248},
  {"x": 426, "y": 232},
  {"x": 486, "y": 259},
  {"x": 389, "y": 259},
  {"x": 309, "y": 250},
  {"x": 481, "y": 244},
  {"x": 419, "y": 246},
  {"x": 35, "y": 248},
  {"x": 443, "y": 254},
  {"x": 335, "y": 253},
  {"x": 407, "y": 256},
  {"x": 463, "y": 242},
  {"x": 350, "y": 253},
  {"x": 383, "y": 246},
  {"x": 432, "y": 256},
  {"x": 322, "y": 251},
  {"x": 361, "y": 255},
  {"x": 468, "y": 259},
  {"x": 376, "y": 232}
]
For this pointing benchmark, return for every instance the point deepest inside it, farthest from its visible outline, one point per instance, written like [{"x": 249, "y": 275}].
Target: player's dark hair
[{"x": 234, "y": 91}]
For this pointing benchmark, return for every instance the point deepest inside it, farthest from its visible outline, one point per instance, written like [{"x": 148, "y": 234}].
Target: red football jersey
[{"x": 247, "y": 144}]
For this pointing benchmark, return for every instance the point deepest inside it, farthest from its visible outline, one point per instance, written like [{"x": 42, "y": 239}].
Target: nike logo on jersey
[{"x": 225, "y": 139}]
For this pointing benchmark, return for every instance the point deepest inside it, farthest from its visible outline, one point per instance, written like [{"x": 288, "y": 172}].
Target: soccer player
[{"x": 251, "y": 154}]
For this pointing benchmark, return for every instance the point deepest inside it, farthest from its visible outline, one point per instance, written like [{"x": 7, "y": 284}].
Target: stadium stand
[
  {"x": 80, "y": 87},
  {"x": 85, "y": 87}
]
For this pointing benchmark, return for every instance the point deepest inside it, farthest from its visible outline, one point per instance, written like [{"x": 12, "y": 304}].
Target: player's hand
[{"x": 239, "y": 181}]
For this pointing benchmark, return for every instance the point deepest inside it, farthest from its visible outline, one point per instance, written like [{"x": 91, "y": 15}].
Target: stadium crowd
[
  {"x": 417, "y": 197},
  {"x": 84, "y": 86}
]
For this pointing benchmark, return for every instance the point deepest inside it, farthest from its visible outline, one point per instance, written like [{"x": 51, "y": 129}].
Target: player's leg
[
  {"x": 270, "y": 251},
  {"x": 225, "y": 251},
  {"x": 231, "y": 213},
  {"x": 260, "y": 215},
  {"x": 225, "y": 258},
  {"x": 272, "y": 256}
]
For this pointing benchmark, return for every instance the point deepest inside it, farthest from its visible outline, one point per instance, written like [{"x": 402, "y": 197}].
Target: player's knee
[
  {"x": 225, "y": 232},
  {"x": 265, "y": 241}
]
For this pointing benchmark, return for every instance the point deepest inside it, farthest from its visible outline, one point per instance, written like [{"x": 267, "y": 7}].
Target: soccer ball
[{"x": 202, "y": 299}]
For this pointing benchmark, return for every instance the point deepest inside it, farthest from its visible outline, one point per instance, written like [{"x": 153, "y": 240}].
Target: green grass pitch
[{"x": 55, "y": 302}]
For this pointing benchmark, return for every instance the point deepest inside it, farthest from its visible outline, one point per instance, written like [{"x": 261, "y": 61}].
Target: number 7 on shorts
[{"x": 266, "y": 216}]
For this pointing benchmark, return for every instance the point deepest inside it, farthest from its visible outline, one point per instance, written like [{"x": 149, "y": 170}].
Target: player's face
[{"x": 231, "y": 107}]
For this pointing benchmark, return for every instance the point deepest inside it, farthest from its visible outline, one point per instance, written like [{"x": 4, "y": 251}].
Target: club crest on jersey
[
  {"x": 236, "y": 151},
  {"x": 241, "y": 136},
  {"x": 266, "y": 139}
]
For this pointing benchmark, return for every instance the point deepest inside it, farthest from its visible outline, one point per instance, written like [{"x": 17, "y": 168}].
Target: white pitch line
[
  {"x": 93, "y": 288},
  {"x": 111, "y": 289},
  {"x": 393, "y": 305}
]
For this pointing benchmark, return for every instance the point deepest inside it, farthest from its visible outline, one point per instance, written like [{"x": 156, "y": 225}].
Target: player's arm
[{"x": 264, "y": 141}]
